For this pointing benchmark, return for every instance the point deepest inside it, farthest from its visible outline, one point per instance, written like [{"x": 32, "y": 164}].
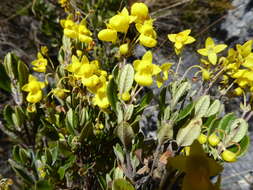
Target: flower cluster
[
  {"x": 238, "y": 66},
  {"x": 92, "y": 77},
  {"x": 77, "y": 31},
  {"x": 145, "y": 71},
  {"x": 120, "y": 24}
]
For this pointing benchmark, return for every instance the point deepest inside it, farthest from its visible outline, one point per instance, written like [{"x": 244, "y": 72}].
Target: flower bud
[
  {"x": 238, "y": 91},
  {"x": 125, "y": 96},
  {"x": 213, "y": 140},
  {"x": 205, "y": 74},
  {"x": 202, "y": 138},
  {"x": 228, "y": 156},
  {"x": 123, "y": 49}
]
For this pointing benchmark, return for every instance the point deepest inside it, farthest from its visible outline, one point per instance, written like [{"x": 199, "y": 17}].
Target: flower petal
[
  {"x": 219, "y": 48},
  {"x": 209, "y": 43},
  {"x": 203, "y": 52},
  {"x": 212, "y": 57}
]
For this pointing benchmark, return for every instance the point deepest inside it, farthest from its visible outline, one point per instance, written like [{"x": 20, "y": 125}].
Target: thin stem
[
  {"x": 213, "y": 81},
  {"x": 190, "y": 68},
  {"x": 248, "y": 117},
  {"x": 179, "y": 63},
  {"x": 155, "y": 159}
]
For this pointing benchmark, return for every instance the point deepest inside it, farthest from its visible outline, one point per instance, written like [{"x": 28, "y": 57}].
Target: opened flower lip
[
  {"x": 121, "y": 21},
  {"x": 211, "y": 50},
  {"x": 180, "y": 39},
  {"x": 145, "y": 70}
]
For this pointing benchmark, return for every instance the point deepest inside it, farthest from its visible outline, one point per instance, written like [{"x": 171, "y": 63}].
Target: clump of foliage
[{"x": 75, "y": 123}]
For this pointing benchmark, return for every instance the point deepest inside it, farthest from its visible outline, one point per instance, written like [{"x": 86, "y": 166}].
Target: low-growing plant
[{"x": 76, "y": 123}]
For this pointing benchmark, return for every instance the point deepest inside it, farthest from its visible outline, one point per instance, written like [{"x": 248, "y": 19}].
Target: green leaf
[
  {"x": 213, "y": 109},
  {"x": 122, "y": 184},
  {"x": 20, "y": 171},
  {"x": 165, "y": 132},
  {"x": 119, "y": 111},
  {"x": 86, "y": 132},
  {"x": 126, "y": 78},
  {"x": 185, "y": 112},
  {"x": 71, "y": 121},
  {"x": 213, "y": 126},
  {"x": 225, "y": 123},
  {"x": 244, "y": 145},
  {"x": 15, "y": 153},
  {"x": 5, "y": 82},
  {"x": 23, "y": 73},
  {"x": 166, "y": 114},
  {"x": 11, "y": 65},
  {"x": 62, "y": 170},
  {"x": 112, "y": 94},
  {"x": 118, "y": 151},
  {"x": 54, "y": 153},
  {"x": 23, "y": 155},
  {"x": 126, "y": 134},
  {"x": 44, "y": 185},
  {"x": 202, "y": 105},
  {"x": 179, "y": 92},
  {"x": 186, "y": 135},
  {"x": 128, "y": 112},
  {"x": 238, "y": 130},
  {"x": 49, "y": 131},
  {"x": 7, "y": 113},
  {"x": 145, "y": 100}
]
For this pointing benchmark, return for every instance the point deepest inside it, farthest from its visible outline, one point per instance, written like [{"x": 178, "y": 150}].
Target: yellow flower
[
  {"x": 140, "y": 10},
  {"x": 121, "y": 21},
  {"x": 147, "y": 33},
  {"x": 165, "y": 74},
  {"x": 84, "y": 34},
  {"x": 75, "y": 65},
  {"x": 238, "y": 91},
  {"x": 125, "y": 96},
  {"x": 33, "y": 87},
  {"x": 44, "y": 50},
  {"x": 147, "y": 41},
  {"x": 245, "y": 49},
  {"x": 69, "y": 28},
  {"x": 198, "y": 168},
  {"x": 205, "y": 74},
  {"x": 60, "y": 92},
  {"x": 211, "y": 50},
  {"x": 180, "y": 39},
  {"x": 40, "y": 63},
  {"x": 108, "y": 35},
  {"x": 100, "y": 99},
  {"x": 123, "y": 49},
  {"x": 202, "y": 138},
  {"x": 229, "y": 156},
  {"x": 145, "y": 70},
  {"x": 213, "y": 140}
]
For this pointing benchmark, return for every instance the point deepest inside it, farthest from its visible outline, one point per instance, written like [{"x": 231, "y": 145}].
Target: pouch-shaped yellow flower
[
  {"x": 40, "y": 63},
  {"x": 140, "y": 10},
  {"x": 108, "y": 35},
  {"x": 33, "y": 87}
]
